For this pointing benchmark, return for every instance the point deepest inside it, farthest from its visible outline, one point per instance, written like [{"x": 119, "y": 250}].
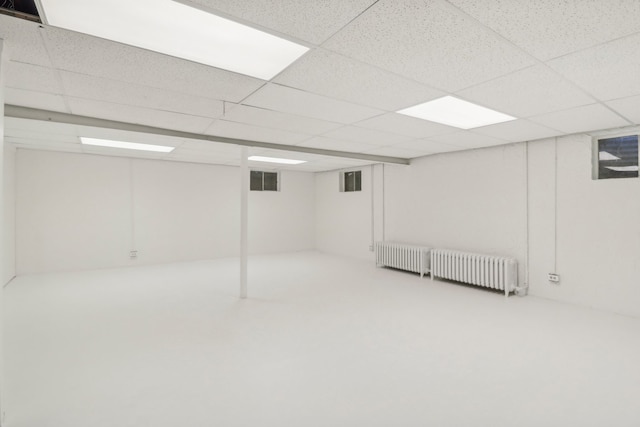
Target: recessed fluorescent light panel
[
  {"x": 276, "y": 160},
  {"x": 455, "y": 112},
  {"x": 126, "y": 145},
  {"x": 175, "y": 29}
]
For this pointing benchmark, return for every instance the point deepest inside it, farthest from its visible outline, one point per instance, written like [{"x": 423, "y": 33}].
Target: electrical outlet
[
  {"x": 133, "y": 254},
  {"x": 554, "y": 278},
  {"x": 370, "y": 248}
]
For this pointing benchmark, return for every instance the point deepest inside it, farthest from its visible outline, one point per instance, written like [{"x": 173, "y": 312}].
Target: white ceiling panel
[
  {"x": 608, "y": 71},
  {"x": 533, "y": 91},
  {"x": 402, "y": 153},
  {"x": 32, "y": 77},
  {"x": 40, "y": 137},
  {"x": 429, "y": 41},
  {"x": 404, "y": 125},
  {"x": 38, "y": 126},
  {"x": 85, "y": 54},
  {"x": 337, "y": 144},
  {"x": 210, "y": 147},
  {"x": 428, "y": 146},
  {"x": 44, "y": 145},
  {"x": 25, "y": 43},
  {"x": 143, "y": 116},
  {"x": 517, "y": 131},
  {"x": 466, "y": 139},
  {"x": 228, "y": 129},
  {"x": 550, "y": 28},
  {"x": 278, "y": 120},
  {"x": 581, "y": 119},
  {"x": 99, "y": 89},
  {"x": 330, "y": 74},
  {"x": 366, "y": 135},
  {"x": 628, "y": 107},
  {"x": 294, "y": 101},
  {"x": 41, "y": 100},
  {"x": 312, "y": 21}
]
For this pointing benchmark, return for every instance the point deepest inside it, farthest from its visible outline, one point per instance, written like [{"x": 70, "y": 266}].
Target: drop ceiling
[{"x": 558, "y": 67}]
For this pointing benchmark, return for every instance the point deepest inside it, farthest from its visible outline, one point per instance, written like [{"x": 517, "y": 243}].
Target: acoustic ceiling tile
[
  {"x": 366, "y": 135},
  {"x": 330, "y": 74},
  {"x": 338, "y": 145},
  {"x": 32, "y": 77},
  {"x": 532, "y": 91},
  {"x": 467, "y": 139},
  {"x": 24, "y": 43},
  {"x": 401, "y": 153},
  {"x": 581, "y": 119},
  {"x": 137, "y": 115},
  {"x": 40, "y": 100},
  {"x": 229, "y": 129},
  {"x": 607, "y": 71},
  {"x": 428, "y": 146},
  {"x": 628, "y": 107},
  {"x": 81, "y": 53},
  {"x": 118, "y": 92},
  {"x": 312, "y": 21},
  {"x": 428, "y": 41},
  {"x": 517, "y": 131},
  {"x": 551, "y": 28},
  {"x": 294, "y": 101},
  {"x": 404, "y": 125},
  {"x": 278, "y": 120}
]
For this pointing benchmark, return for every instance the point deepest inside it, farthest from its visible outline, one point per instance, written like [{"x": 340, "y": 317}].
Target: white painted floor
[{"x": 323, "y": 341}]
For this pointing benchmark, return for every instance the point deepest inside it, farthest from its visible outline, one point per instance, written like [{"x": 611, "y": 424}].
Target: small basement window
[
  {"x": 264, "y": 181},
  {"x": 617, "y": 157},
  {"x": 351, "y": 181}
]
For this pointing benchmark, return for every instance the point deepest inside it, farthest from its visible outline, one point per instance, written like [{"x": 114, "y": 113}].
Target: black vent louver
[{"x": 24, "y": 9}]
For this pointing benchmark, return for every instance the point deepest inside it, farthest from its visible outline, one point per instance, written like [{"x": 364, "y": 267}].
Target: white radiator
[
  {"x": 482, "y": 270},
  {"x": 402, "y": 256}
]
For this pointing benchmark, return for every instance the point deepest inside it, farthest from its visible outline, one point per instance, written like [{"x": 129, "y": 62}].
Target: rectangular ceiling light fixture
[
  {"x": 175, "y": 29},
  {"x": 126, "y": 145},
  {"x": 455, "y": 112},
  {"x": 276, "y": 160}
]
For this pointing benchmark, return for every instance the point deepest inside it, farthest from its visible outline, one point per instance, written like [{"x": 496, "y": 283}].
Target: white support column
[
  {"x": 244, "y": 219},
  {"x": 3, "y": 63}
]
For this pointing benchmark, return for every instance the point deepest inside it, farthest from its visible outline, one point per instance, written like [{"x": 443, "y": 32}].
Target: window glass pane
[
  {"x": 349, "y": 181},
  {"x": 353, "y": 181},
  {"x": 270, "y": 181},
  {"x": 618, "y": 157},
  {"x": 256, "y": 181},
  {"x": 358, "y": 181}
]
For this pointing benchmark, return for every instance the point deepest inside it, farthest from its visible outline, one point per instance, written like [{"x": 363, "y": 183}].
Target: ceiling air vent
[{"x": 23, "y": 9}]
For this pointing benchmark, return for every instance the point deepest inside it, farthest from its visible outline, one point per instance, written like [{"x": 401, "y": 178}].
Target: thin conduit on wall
[
  {"x": 526, "y": 258},
  {"x": 555, "y": 207}
]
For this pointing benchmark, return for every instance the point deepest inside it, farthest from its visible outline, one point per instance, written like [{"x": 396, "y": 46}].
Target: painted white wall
[
  {"x": 9, "y": 212},
  {"x": 284, "y": 220},
  {"x": 598, "y": 229},
  {"x": 482, "y": 200},
  {"x": 343, "y": 219},
  {"x": 467, "y": 200},
  {"x": 77, "y": 211}
]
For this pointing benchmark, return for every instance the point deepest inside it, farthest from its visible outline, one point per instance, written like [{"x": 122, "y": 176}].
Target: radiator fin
[
  {"x": 495, "y": 272},
  {"x": 403, "y": 256}
]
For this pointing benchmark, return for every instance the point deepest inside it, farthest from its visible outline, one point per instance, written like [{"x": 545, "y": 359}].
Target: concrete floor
[{"x": 322, "y": 341}]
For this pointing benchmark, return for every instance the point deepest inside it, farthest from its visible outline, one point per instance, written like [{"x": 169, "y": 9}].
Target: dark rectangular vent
[{"x": 23, "y": 9}]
